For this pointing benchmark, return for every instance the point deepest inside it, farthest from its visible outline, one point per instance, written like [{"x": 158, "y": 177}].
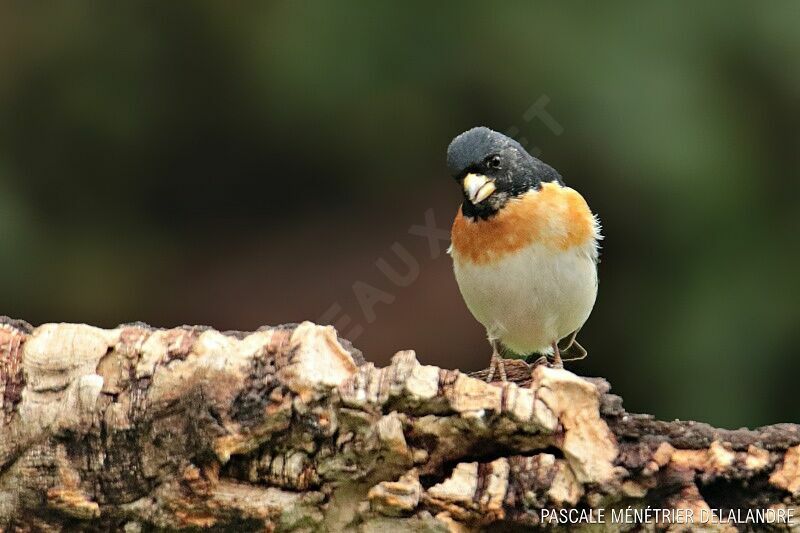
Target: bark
[{"x": 289, "y": 429}]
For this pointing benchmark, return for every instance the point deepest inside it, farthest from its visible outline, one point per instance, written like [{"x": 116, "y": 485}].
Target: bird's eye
[{"x": 493, "y": 161}]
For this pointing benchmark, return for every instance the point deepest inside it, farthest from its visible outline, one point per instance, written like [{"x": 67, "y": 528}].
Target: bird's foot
[
  {"x": 548, "y": 361},
  {"x": 496, "y": 365},
  {"x": 541, "y": 360}
]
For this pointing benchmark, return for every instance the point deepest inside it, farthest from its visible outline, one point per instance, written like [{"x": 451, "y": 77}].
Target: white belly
[{"x": 530, "y": 298}]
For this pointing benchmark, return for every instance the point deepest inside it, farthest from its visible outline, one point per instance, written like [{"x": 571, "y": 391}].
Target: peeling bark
[{"x": 288, "y": 429}]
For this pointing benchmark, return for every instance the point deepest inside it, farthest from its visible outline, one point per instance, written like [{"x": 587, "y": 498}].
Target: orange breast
[{"x": 555, "y": 216}]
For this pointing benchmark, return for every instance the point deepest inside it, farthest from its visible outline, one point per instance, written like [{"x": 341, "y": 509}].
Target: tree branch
[{"x": 287, "y": 428}]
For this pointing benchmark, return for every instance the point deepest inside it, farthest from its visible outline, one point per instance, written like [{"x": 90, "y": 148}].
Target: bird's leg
[
  {"x": 497, "y": 363},
  {"x": 492, "y": 368},
  {"x": 557, "y": 356}
]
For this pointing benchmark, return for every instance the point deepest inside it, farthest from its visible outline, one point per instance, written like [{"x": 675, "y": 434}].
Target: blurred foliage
[{"x": 196, "y": 162}]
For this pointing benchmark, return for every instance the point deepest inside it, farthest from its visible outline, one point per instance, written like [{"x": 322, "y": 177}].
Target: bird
[{"x": 524, "y": 247}]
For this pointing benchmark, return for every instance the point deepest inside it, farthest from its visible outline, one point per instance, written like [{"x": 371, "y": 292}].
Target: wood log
[{"x": 289, "y": 429}]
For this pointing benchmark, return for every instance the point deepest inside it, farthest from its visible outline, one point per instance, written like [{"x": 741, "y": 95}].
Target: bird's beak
[{"x": 478, "y": 187}]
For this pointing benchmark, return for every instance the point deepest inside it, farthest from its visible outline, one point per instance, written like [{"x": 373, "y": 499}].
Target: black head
[{"x": 492, "y": 169}]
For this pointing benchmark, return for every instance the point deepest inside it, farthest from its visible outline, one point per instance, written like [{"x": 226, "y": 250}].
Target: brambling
[{"x": 524, "y": 248}]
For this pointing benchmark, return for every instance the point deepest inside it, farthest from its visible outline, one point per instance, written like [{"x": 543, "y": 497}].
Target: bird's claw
[
  {"x": 542, "y": 360},
  {"x": 497, "y": 365}
]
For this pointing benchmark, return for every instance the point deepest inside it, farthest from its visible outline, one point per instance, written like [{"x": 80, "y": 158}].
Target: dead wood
[{"x": 288, "y": 429}]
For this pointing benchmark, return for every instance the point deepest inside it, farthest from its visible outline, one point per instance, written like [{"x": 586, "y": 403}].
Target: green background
[{"x": 191, "y": 162}]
